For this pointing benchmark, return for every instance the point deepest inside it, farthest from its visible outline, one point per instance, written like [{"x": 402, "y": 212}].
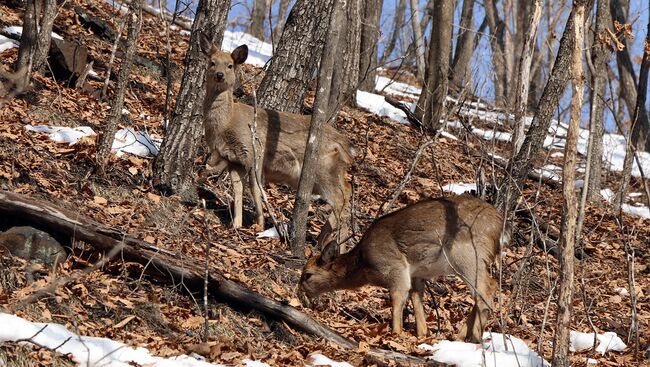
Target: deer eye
[
  {"x": 212, "y": 63},
  {"x": 230, "y": 66}
]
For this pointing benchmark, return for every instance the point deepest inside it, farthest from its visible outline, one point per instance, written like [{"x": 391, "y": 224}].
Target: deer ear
[
  {"x": 240, "y": 54},
  {"x": 330, "y": 252},
  {"x": 205, "y": 44}
]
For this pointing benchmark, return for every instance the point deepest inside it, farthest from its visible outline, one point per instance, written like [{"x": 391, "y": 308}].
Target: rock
[{"x": 32, "y": 244}]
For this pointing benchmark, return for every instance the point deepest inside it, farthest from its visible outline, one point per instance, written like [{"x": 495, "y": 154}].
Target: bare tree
[
  {"x": 324, "y": 111},
  {"x": 370, "y": 30},
  {"x": 292, "y": 68},
  {"x": 106, "y": 138},
  {"x": 283, "y": 7},
  {"x": 599, "y": 58},
  {"x": 432, "y": 99},
  {"x": 344, "y": 87},
  {"x": 570, "y": 201},
  {"x": 174, "y": 164},
  {"x": 523, "y": 81},
  {"x": 498, "y": 30},
  {"x": 464, "y": 45},
  {"x": 417, "y": 39},
  {"x": 258, "y": 15},
  {"x": 35, "y": 39},
  {"x": 520, "y": 164},
  {"x": 398, "y": 24}
]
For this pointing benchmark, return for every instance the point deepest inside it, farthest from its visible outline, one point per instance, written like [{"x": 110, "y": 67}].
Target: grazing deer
[
  {"x": 455, "y": 235},
  {"x": 280, "y": 145}
]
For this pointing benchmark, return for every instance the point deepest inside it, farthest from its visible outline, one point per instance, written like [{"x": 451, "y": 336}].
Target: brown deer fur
[
  {"x": 455, "y": 235},
  {"x": 280, "y": 147}
]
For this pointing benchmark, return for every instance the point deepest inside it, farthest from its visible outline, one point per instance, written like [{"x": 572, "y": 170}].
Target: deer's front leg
[
  {"x": 256, "y": 190},
  {"x": 236, "y": 175}
]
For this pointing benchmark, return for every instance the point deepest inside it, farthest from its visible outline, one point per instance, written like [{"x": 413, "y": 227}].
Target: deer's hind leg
[
  {"x": 237, "y": 174},
  {"x": 255, "y": 182}
]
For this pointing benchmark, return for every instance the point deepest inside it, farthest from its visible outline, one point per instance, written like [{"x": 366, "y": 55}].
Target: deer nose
[{"x": 220, "y": 75}]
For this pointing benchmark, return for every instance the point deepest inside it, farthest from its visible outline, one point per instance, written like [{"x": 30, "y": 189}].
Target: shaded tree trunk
[
  {"x": 523, "y": 81},
  {"x": 344, "y": 86},
  {"x": 464, "y": 45},
  {"x": 292, "y": 68},
  {"x": 570, "y": 201},
  {"x": 258, "y": 15},
  {"x": 497, "y": 43},
  {"x": 173, "y": 167},
  {"x": 598, "y": 79},
  {"x": 432, "y": 99},
  {"x": 398, "y": 25},
  {"x": 521, "y": 163},
  {"x": 370, "y": 30},
  {"x": 106, "y": 138},
  {"x": 36, "y": 37},
  {"x": 282, "y": 19},
  {"x": 324, "y": 110},
  {"x": 418, "y": 40}
]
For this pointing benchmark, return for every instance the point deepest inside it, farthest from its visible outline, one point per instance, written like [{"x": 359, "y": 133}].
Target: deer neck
[
  {"x": 218, "y": 107},
  {"x": 349, "y": 271}
]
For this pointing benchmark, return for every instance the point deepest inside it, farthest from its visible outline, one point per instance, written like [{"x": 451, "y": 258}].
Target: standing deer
[
  {"x": 456, "y": 235},
  {"x": 280, "y": 145}
]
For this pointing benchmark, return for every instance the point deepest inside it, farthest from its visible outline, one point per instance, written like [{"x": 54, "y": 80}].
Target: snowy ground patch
[
  {"x": 639, "y": 211},
  {"x": 321, "y": 360},
  {"x": 377, "y": 104},
  {"x": 259, "y": 52},
  {"x": 18, "y": 31},
  {"x": 390, "y": 86},
  {"x": 459, "y": 188},
  {"x": 126, "y": 140},
  {"x": 606, "y": 342},
  {"x": 498, "y": 350},
  {"x": 7, "y": 43}
]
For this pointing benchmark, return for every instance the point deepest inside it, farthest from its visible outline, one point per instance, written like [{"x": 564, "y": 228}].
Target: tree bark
[
  {"x": 131, "y": 47},
  {"x": 639, "y": 137},
  {"x": 282, "y": 19},
  {"x": 370, "y": 30},
  {"x": 344, "y": 87},
  {"x": 324, "y": 111},
  {"x": 171, "y": 268},
  {"x": 418, "y": 40},
  {"x": 598, "y": 79},
  {"x": 432, "y": 99},
  {"x": 398, "y": 24},
  {"x": 523, "y": 81},
  {"x": 627, "y": 80},
  {"x": 173, "y": 167},
  {"x": 35, "y": 39},
  {"x": 497, "y": 43},
  {"x": 292, "y": 68},
  {"x": 521, "y": 163},
  {"x": 570, "y": 202},
  {"x": 464, "y": 46},
  {"x": 258, "y": 15}
]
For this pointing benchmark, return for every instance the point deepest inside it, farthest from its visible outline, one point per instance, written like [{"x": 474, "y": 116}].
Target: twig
[{"x": 207, "y": 273}]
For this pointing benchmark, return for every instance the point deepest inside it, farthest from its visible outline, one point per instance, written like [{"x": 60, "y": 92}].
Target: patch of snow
[
  {"x": 397, "y": 88},
  {"x": 607, "y": 341},
  {"x": 123, "y": 9},
  {"x": 19, "y": 31},
  {"x": 579, "y": 184},
  {"x": 377, "y": 104},
  {"x": 269, "y": 233},
  {"x": 592, "y": 361},
  {"x": 59, "y": 134},
  {"x": 483, "y": 134},
  {"x": 635, "y": 194},
  {"x": 621, "y": 291},
  {"x": 321, "y": 360},
  {"x": 445, "y": 134},
  {"x": 639, "y": 211},
  {"x": 86, "y": 350},
  {"x": 259, "y": 52},
  {"x": 549, "y": 170},
  {"x": 557, "y": 154},
  {"x": 498, "y": 350},
  {"x": 249, "y": 363},
  {"x": 7, "y": 43},
  {"x": 459, "y": 187},
  {"x": 608, "y": 194}
]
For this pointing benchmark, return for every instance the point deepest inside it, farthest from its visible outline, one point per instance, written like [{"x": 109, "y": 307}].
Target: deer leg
[
  {"x": 236, "y": 175},
  {"x": 399, "y": 290},
  {"x": 417, "y": 292},
  {"x": 256, "y": 192},
  {"x": 483, "y": 290},
  {"x": 337, "y": 225}
]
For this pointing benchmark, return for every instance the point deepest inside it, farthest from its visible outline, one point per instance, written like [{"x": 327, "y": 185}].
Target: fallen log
[{"x": 172, "y": 268}]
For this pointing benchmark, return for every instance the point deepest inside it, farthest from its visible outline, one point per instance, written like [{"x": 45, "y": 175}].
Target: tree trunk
[
  {"x": 292, "y": 68},
  {"x": 627, "y": 79},
  {"x": 36, "y": 37},
  {"x": 520, "y": 164},
  {"x": 344, "y": 87},
  {"x": 324, "y": 111},
  {"x": 131, "y": 47},
  {"x": 258, "y": 15},
  {"x": 398, "y": 24},
  {"x": 570, "y": 202},
  {"x": 370, "y": 30},
  {"x": 598, "y": 79},
  {"x": 418, "y": 40},
  {"x": 497, "y": 43},
  {"x": 432, "y": 99},
  {"x": 173, "y": 167},
  {"x": 464, "y": 46},
  {"x": 523, "y": 82},
  {"x": 639, "y": 137},
  {"x": 282, "y": 19}
]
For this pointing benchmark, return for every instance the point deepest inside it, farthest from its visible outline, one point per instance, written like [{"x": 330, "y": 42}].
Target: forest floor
[{"x": 168, "y": 322}]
